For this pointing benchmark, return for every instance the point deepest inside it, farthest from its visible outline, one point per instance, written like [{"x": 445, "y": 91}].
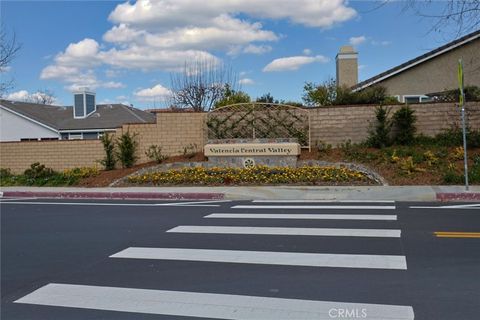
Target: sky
[{"x": 127, "y": 51}]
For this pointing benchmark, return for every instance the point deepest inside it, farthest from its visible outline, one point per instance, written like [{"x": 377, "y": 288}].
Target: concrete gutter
[{"x": 398, "y": 193}]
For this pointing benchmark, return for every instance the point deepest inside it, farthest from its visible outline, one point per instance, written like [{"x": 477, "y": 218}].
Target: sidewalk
[{"x": 398, "y": 193}]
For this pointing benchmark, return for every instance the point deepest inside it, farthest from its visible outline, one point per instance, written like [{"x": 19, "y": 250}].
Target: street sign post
[{"x": 464, "y": 128}]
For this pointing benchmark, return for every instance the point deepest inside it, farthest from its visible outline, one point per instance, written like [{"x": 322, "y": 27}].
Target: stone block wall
[
  {"x": 337, "y": 124},
  {"x": 58, "y": 155}
]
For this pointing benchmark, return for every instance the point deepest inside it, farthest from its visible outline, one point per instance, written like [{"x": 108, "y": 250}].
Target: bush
[
  {"x": 404, "y": 123},
  {"x": 154, "y": 153},
  {"x": 323, "y": 147},
  {"x": 5, "y": 173},
  {"x": 452, "y": 137},
  {"x": 38, "y": 171},
  {"x": 190, "y": 150},
  {"x": 329, "y": 93},
  {"x": 380, "y": 136},
  {"x": 108, "y": 145},
  {"x": 80, "y": 173},
  {"x": 127, "y": 147}
]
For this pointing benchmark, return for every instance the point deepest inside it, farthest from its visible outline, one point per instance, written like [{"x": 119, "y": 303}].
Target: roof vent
[{"x": 83, "y": 104}]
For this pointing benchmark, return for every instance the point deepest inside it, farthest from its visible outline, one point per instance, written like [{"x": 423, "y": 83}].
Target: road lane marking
[
  {"x": 458, "y": 206},
  {"x": 201, "y": 304},
  {"x": 315, "y": 207},
  {"x": 451, "y": 234},
  {"x": 302, "y": 216},
  {"x": 268, "y": 257},
  {"x": 180, "y": 204},
  {"x": 334, "y": 232},
  {"x": 323, "y": 201}
]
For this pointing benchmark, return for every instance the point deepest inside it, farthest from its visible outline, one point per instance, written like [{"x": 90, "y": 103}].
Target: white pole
[{"x": 464, "y": 127}]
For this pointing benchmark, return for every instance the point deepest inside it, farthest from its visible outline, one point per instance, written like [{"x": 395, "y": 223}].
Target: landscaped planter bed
[{"x": 260, "y": 175}]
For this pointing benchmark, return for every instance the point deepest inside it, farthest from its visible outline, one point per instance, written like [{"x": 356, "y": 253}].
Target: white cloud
[
  {"x": 307, "y": 52},
  {"x": 156, "y": 93},
  {"x": 356, "y": 41},
  {"x": 162, "y": 35},
  {"x": 123, "y": 34},
  {"x": 36, "y": 97},
  {"x": 246, "y": 81},
  {"x": 80, "y": 54},
  {"x": 293, "y": 63},
  {"x": 224, "y": 32},
  {"x": 21, "y": 95},
  {"x": 254, "y": 49},
  {"x": 166, "y": 14}
]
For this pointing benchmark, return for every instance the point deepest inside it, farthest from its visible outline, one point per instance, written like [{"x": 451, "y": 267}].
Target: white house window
[
  {"x": 416, "y": 98},
  {"x": 75, "y": 136}
]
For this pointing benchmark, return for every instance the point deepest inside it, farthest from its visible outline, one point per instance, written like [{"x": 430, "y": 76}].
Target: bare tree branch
[
  {"x": 201, "y": 84},
  {"x": 9, "y": 48},
  {"x": 44, "y": 96},
  {"x": 462, "y": 15}
]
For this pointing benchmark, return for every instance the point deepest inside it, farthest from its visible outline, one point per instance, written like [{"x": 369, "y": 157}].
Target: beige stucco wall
[
  {"x": 437, "y": 74},
  {"x": 173, "y": 131},
  {"x": 347, "y": 72}
]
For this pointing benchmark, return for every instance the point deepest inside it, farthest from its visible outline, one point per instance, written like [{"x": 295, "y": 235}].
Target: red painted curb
[
  {"x": 115, "y": 195},
  {"x": 458, "y": 196}
]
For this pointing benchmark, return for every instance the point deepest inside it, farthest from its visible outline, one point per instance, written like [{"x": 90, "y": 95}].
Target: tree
[
  {"x": 328, "y": 94},
  {"x": 232, "y": 97},
  {"x": 9, "y": 48},
  {"x": 201, "y": 85},
  {"x": 44, "y": 96},
  {"x": 267, "y": 98}
]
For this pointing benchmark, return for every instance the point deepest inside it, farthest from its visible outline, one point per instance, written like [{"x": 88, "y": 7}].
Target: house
[
  {"x": 24, "y": 121},
  {"x": 418, "y": 79}
]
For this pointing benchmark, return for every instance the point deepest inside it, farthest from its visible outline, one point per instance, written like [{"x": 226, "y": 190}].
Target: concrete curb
[
  {"x": 115, "y": 195},
  {"x": 458, "y": 196}
]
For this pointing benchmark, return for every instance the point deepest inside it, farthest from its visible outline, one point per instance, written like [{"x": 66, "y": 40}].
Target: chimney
[
  {"x": 83, "y": 104},
  {"x": 347, "y": 67}
]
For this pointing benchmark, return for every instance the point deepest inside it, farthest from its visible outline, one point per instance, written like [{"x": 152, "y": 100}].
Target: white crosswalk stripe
[
  {"x": 333, "y": 232},
  {"x": 317, "y": 207},
  {"x": 228, "y": 306},
  {"x": 200, "y": 304},
  {"x": 267, "y": 257},
  {"x": 308, "y": 216}
]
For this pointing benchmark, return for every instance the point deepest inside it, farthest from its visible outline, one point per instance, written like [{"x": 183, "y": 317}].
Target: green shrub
[
  {"x": 154, "y": 153},
  {"x": 379, "y": 137},
  {"x": 328, "y": 93},
  {"x": 451, "y": 177},
  {"x": 404, "y": 123},
  {"x": 108, "y": 145},
  {"x": 323, "y": 147},
  {"x": 5, "y": 173},
  {"x": 38, "y": 171},
  {"x": 127, "y": 148},
  {"x": 452, "y": 137},
  {"x": 190, "y": 150}
]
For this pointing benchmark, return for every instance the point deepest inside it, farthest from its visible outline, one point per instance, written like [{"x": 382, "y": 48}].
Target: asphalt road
[{"x": 116, "y": 260}]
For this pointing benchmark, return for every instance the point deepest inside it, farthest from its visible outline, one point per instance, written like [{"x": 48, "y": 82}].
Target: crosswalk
[{"x": 232, "y": 306}]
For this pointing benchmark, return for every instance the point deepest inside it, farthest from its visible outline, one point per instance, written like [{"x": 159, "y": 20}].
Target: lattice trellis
[{"x": 259, "y": 121}]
